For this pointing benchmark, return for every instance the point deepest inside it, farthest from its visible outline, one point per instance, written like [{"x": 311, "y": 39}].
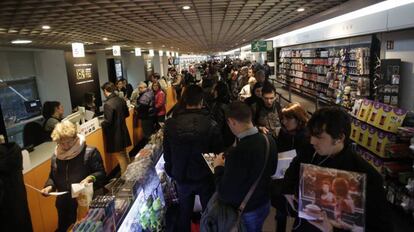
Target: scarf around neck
[{"x": 75, "y": 150}]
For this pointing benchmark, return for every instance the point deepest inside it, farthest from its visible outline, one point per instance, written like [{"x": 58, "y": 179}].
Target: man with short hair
[
  {"x": 267, "y": 70},
  {"x": 145, "y": 109},
  {"x": 242, "y": 166},
  {"x": 260, "y": 76},
  {"x": 114, "y": 126},
  {"x": 267, "y": 113},
  {"x": 187, "y": 135},
  {"x": 329, "y": 136}
]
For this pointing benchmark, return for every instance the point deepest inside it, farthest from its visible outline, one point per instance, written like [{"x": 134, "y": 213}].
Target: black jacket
[
  {"x": 217, "y": 113},
  {"x": 377, "y": 216},
  {"x": 114, "y": 126},
  {"x": 267, "y": 117},
  {"x": 286, "y": 141},
  {"x": 14, "y": 211},
  {"x": 63, "y": 173},
  {"x": 187, "y": 135},
  {"x": 243, "y": 166}
]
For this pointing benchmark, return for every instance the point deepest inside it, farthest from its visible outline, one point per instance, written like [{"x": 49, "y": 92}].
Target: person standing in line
[
  {"x": 242, "y": 165},
  {"x": 145, "y": 109},
  {"x": 267, "y": 114},
  {"x": 267, "y": 70},
  {"x": 187, "y": 135},
  {"x": 160, "y": 99},
  {"x": 246, "y": 91},
  {"x": 114, "y": 126},
  {"x": 329, "y": 130},
  {"x": 292, "y": 136},
  {"x": 120, "y": 89}
]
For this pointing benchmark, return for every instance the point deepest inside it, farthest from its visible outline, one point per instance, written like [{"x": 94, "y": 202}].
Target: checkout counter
[{"x": 42, "y": 209}]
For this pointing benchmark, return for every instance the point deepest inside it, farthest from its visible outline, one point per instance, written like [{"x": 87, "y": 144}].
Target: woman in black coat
[
  {"x": 72, "y": 162},
  {"x": 292, "y": 136},
  {"x": 114, "y": 126}
]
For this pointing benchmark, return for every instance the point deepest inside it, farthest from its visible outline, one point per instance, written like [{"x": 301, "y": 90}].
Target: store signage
[
  {"x": 390, "y": 44},
  {"x": 151, "y": 52},
  {"x": 82, "y": 74},
  {"x": 259, "y": 46},
  {"x": 89, "y": 127},
  {"x": 167, "y": 53},
  {"x": 78, "y": 50},
  {"x": 161, "y": 52},
  {"x": 176, "y": 54},
  {"x": 116, "y": 50},
  {"x": 137, "y": 51}
]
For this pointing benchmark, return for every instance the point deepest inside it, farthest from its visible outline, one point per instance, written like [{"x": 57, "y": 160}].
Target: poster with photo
[{"x": 334, "y": 195}]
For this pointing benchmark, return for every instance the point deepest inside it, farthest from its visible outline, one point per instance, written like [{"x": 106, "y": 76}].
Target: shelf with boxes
[
  {"x": 383, "y": 141},
  {"x": 345, "y": 71}
]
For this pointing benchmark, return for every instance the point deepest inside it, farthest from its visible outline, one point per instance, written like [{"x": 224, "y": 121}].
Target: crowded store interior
[{"x": 207, "y": 115}]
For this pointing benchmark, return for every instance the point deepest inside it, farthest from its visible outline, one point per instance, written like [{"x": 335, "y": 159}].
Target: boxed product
[
  {"x": 355, "y": 128},
  {"x": 356, "y": 107},
  {"x": 393, "y": 118},
  {"x": 371, "y": 138},
  {"x": 375, "y": 114},
  {"x": 383, "y": 140},
  {"x": 363, "y": 134},
  {"x": 365, "y": 110}
]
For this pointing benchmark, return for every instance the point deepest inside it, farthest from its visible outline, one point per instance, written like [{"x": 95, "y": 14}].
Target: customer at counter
[
  {"x": 52, "y": 113},
  {"x": 145, "y": 109},
  {"x": 89, "y": 102},
  {"x": 160, "y": 99},
  {"x": 116, "y": 136},
  {"x": 72, "y": 162}
]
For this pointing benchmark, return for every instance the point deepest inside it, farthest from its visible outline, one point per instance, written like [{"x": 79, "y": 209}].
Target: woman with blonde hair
[{"x": 72, "y": 162}]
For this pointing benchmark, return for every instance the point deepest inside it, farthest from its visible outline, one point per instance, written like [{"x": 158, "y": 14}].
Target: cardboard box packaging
[{"x": 365, "y": 110}]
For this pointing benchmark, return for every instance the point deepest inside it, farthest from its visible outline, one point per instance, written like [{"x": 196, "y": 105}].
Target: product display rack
[{"x": 337, "y": 73}]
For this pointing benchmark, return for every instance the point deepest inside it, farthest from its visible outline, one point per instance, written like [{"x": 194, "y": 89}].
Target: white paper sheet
[
  {"x": 284, "y": 160},
  {"x": 51, "y": 193}
]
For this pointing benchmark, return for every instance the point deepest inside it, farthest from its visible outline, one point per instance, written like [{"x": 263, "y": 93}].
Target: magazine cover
[{"x": 334, "y": 195}]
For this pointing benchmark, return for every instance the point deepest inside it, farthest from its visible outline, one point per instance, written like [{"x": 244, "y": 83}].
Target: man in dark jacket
[
  {"x": 267, "y": 112},
  {"x": 329, "y": 130},
  {"x": 145, "y": 109},
  {"x": 188, "y": 134},
  {"x": 114, "y": 126},
  {"x": 243, "y": 166},
  {"x": 14, "y": 211}
]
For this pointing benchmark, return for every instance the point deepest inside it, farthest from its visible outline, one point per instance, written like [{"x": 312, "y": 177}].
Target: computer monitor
[
  {"x": 33, "y": 106},
  {"x": 76, "y": 118}
]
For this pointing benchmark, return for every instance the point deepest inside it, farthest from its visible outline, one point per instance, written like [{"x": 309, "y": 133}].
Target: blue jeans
[{"x": 253, "y": 220}]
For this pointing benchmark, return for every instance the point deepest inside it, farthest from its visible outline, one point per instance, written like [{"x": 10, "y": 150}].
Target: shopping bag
[{"x": 219, "y": 217}]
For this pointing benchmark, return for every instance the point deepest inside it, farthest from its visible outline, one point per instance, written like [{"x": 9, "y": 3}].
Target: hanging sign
[
  {"x": 116, "y": 50},
  {"x": 137, "y": 51},
  {"x": 78, "y": 50}
]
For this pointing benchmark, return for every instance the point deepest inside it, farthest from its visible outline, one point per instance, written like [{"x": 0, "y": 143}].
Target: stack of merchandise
[{"x": 100, "y": 217}]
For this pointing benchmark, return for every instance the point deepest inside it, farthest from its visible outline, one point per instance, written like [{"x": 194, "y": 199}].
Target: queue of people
[
  {"x": 246, "y": 134},
  {"x": 197, "y": 127}
]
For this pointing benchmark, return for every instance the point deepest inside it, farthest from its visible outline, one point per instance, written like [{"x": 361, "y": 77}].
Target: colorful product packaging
[
  {"x": 363, "y": 134},
  {"x": 355, "y": 128},
  {"x": 365, "y": 110},
  {"x": 394, "y": 118},
  {"x": 356, "y": 108},
  {"x": 371, "y": 138},
  {"x": 375, "y": 114}
]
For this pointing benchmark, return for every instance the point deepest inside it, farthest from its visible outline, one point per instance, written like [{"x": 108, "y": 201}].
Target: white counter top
[{"x": 40, "y": 154}]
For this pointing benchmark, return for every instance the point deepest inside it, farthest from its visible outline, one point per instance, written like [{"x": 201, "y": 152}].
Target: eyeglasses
[{"x": 66, "y": 142}]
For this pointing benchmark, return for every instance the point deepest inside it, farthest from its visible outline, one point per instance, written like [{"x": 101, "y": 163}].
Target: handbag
[{"x": 220, "y": 217}]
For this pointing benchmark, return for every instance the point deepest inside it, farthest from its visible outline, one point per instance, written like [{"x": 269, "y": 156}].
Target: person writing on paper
[
  {"x": 72, "y": 162},
  {"x": 243, "y": 164},
  {"x": 329, "y": 130},
  {"x": 292, "y": 136}
]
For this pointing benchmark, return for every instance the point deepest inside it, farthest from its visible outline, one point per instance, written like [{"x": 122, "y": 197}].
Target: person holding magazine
[{"x": 329, "y": 130}]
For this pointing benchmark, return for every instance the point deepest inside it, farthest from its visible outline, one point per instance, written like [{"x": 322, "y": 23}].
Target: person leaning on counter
[
  {"x": 72, "y": 162},
  {"x": 114, "y": 126}
]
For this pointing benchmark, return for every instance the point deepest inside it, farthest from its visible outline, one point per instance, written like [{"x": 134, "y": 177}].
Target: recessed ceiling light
[
  {"x": 163, "y": 46},
  {"x": 21, "y": 41},
  {"x": 45, "y": 27},
  {"x": 104, "y": 39},
  {"x": 300, "y": 9},
  {"x": 186, "y": 7},
  {"x": 149, "y": 42}
]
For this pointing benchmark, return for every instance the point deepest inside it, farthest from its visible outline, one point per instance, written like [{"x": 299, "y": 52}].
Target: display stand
[
  {"x": 333, "y": 72},
  {"x": 138, "y": 197}
]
